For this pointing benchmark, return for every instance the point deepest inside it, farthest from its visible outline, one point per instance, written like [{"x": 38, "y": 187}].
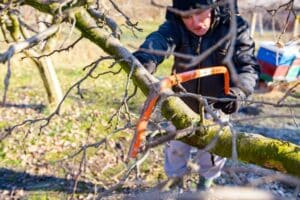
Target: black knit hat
[{"x": 188, "y": 4}]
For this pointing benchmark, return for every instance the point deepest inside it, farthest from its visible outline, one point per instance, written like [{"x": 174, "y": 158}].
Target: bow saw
[{"x": 167, "y": 83}]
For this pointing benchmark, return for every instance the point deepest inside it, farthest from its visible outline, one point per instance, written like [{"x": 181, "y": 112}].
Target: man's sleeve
[
  {"x": 244, "y": 59},
  {"x": 163, "y": 39}
]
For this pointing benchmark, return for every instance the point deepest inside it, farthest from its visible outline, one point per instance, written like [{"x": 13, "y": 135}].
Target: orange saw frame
[{"x": 167, "y": 83}]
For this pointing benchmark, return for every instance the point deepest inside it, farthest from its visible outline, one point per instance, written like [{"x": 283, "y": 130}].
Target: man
[{"x": 192, "y": 34}]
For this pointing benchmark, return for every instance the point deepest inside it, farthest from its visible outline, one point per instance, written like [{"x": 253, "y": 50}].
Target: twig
[
  {"x": 97, "y": 14},
  {"x": 231, "y": 51},
  {"x": 289, "y": 6},
  {"x": 167, "y": 53},
  {"x": 124, "y": 178},
  {"x": 70, "y": 33},
  {"x": 109, "y": 71},
  {"x": 6, "y": 82},
  {"x": 24, "y": 24},
  {"x": 77, "y": 176},
  {"x": 196, "y": 10},
  {"x": 198, "y": 59},
  {"x": 124, "y": 101},
  {"x": 276, "y": 177},
  {"x": 93, "y": 145},
  {"x": 169, "y": 136},
  {"x": 18, "y": 47},
  {"x": 288, "y": 93},
  {"x": 234, "y": 144},
  {"x": 296, "y": 105},
  {"x": 4, "y": 33},
  {"x": 154, "y": 3},
  {"x": 128, "y": 21},
  {"x": 57, "y": 110},
  {"x": 61, "y": 49},
  {"x": 264, "y": 116}
]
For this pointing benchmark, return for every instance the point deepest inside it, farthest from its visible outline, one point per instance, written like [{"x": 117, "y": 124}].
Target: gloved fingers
[
  {"x": 218, "y": 105},
  {"x": 230, "y": 108},
  {"x": 238, "y": 93},
  {"x": 223, "y": 101}
]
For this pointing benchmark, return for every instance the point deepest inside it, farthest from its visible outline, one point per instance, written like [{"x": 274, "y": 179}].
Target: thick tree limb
[
  {"x": 256, "y": 149},
  {"x": 270, "y": 153}
]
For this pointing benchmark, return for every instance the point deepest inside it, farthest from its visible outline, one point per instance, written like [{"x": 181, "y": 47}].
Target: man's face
[{"x": 198, "y": 23}]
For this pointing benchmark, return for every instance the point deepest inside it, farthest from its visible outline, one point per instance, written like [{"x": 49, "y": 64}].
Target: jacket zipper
[
  {"x": 199, "y": 46},
  {"x": 198, "y": 51}
]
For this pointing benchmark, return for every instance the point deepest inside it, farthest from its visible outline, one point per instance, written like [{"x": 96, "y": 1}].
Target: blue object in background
[{"x": 275, "y": 58}]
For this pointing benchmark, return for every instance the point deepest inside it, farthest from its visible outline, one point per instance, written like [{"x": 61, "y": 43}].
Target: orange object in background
[{"x": 167, "y": 83}]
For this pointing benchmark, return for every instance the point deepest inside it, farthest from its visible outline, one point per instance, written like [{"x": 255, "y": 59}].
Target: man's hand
[{"x": 233, "y": 102}]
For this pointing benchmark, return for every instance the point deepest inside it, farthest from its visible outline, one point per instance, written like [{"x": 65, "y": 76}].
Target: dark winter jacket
[{"x": 173, "y": 32}]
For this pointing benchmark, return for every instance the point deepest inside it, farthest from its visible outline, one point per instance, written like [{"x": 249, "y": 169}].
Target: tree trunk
[
  {"x": 253, "y": 24},
  {"x": 47, "y": 64},
  {"x": 296, "y": 26},
  {"x": 270, "y": 153},
  {"x": 44, "y": 65},
  {"x": 261, "y": 24}
]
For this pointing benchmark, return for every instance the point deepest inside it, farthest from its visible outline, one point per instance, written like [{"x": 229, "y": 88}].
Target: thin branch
[
  {"x": 93, "y": 145},
  {"x": 292, "y": 105},
  {"x": 234, "y": 153},
  {"x": 288, "y": 93},
  {"x": 109, "y": 71},
  {"x": 24, "y": 24},
  {"x": 128, "y": 21},
  {"x": 4, "y": 33},
  {"x": 290, "y": 8},
  {"x": 154, "y": 3},
  {"x": 18, "y": 47},
  {"x": 190, "y": 12},
  {"x": 198, "y": 59},
  {"x": 6, "y": 82},
  {"x": 275, "y": 177},
  {"x": 70, "y": 33},
  {"x": 167, "y": 53},
  {"x": 124, "y": 100},
  {"x": 125, "y": 177},
  {"x": 264, "y": 117},
  {"x": 77, "y": 176},
  {"x": 57, "y": 110},
  {"x": 231, "y": 51},
  {"x": 97, "y": 14},
  {"x": 61, "y": 49}
]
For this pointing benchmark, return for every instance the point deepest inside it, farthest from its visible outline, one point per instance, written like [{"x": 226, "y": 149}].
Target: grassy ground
[
  {"x": 29, "y": 158},
  {"x": 30, "y": 164}
]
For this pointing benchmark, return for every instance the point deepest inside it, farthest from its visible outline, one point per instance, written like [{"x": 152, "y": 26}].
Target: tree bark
[
  {"x": 253, "y": 24},
  {"x": 47, "y": 64},
  {"x": 44, "y": 65},
  {"x": 252, "y": 148},
  {"x": 261, "y": 24},
  {"x": 296, "y": 26}
]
